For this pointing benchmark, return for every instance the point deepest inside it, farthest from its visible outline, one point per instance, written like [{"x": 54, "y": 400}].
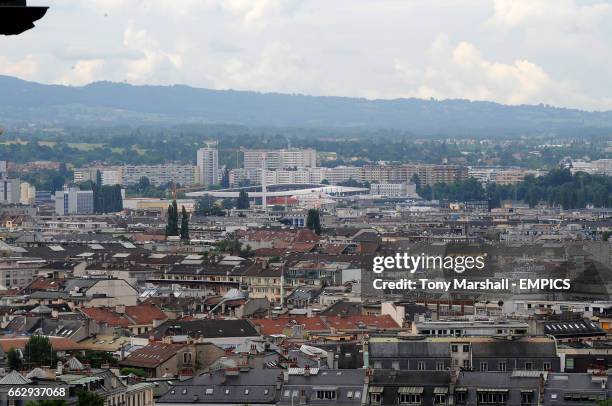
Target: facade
[
  {"x": 208, "y": 166},
  {"x": 27, "y": 193},
  {"x": 280, "y": 158},
  {"x": 10, "y": 191},
  {"x": 393, "y": 189},
  {"x": 159, "y": 174},
  {"x": 74, "y": 201}
]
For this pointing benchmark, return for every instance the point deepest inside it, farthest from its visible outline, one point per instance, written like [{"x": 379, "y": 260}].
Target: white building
[
  {"x": 280, "y": 158},
  {"x": 393, "y": 189},
  {"x": 597, "y": 167},
  {"x": 74, "y": 201},
  {"x": 158, "y": 174},
  {"x": 208, "y": 166},
  {"x": 27, "y": 193}
]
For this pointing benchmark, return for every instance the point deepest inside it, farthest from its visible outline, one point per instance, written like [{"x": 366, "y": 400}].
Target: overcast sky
[{"x": 525, "y": 51}]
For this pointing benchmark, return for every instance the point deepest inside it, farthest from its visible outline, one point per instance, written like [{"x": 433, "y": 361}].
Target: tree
[
  {"x": 172, "y": 215},
  {"x": 87, "y": 398},
  {"x": 243, "y": 200},
  {"x": 184, "y": 224},
  {"x": 14, "y": 360},
  {"x": 38, "y": 352},
  {"x": 206, "y": 206},
  {"x": 96, "y": 358},
  {"x": 143, "y": 184},
  {"x": 313, "y": 221},
  {"x": 136, "y": 371}
]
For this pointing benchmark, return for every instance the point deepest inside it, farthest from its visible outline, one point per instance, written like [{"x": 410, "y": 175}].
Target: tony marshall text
[{"x": 464, "y": 284}]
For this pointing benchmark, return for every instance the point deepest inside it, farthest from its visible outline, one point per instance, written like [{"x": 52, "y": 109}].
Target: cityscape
[{"x": 171, "y": 244}]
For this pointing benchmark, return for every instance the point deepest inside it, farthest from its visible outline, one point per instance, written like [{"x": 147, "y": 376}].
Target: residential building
[
  {"x": 158, "y": 175},
  {"x": 280, "y": 158},
  {"x": 208, "y": 166},
  {"x": 10, "y": 191}
]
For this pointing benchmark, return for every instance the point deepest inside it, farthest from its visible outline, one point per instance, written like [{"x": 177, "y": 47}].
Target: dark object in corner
[{"x": 16, "y": 17}]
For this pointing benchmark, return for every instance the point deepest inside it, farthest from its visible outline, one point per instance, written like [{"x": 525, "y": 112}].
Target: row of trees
[
  {"x": 172, "y": 226},
  {"x": 558, "y": 187}
]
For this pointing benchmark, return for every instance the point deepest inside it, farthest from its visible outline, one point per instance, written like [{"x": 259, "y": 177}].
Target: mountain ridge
[{"x": 108, "y": 103}]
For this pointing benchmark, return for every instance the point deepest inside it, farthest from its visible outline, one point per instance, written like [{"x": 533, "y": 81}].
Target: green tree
[
  {"x": 172, "y": 227},
  {"x": 184, "y": 224},
  {"x": 313, "y": 221},
  {"x": 87, "y": 398},
  {"x": 243, "y": 200},
  {"x": 136, "y": 371},
  {"x": 14, "y": 360},
  {"x": 38, "y": 352},
  {"x": 225, "y": 178},
  {"x": 206, "y": 206},
  {"x": 97, "y": 358}
]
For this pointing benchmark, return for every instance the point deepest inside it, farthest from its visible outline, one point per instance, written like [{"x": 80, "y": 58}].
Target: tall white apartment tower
[{"x": 208, "y": 165}]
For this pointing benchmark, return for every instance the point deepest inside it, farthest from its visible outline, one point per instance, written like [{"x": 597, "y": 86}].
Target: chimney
[
  {"x": 307, "y": 370},
  {"x": 285, "y": 376}
]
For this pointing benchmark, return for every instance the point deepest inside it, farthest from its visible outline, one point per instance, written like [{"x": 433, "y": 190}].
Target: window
[
  {"x": 461, "y": 397},
  {"x": 186, "y": 358},
  {"x": 466, "y": 363},
  {"x": 421, "y": 366},
  {"x": 326, "y": 394},
  {"x": 375, "y": 398},
  {"x": 569, "y": 363},
  {"x": 349, "y": 394},
  {"x": 466, "y": 348},
  {"x": 501, "y": 367},
  {"x": 547, "y": 366},
  {"x": 246, "y": 391},
  {"x": 526, "y": 398},
  {"x": 357, "y": 395},
  {"x": 454, "y": 348},
  {"x": 409, "y": 399},
  {"x": 395, "y": 365},
  {"x": 209, "y": 391},
  {"x": 484, "y": 367},
  {"x": 286, "y": 393},
  {"x": 486, "y": 398},
  {"x": 528, "y": 366},
  {"x": 440, "y": 399},
  {"x": 439, "y": 366}
]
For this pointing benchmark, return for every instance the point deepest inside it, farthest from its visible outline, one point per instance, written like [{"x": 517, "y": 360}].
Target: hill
[{"x": 106, "y": 103}]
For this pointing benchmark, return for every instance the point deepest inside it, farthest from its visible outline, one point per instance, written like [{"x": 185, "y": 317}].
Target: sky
[{"x": 556, "y": 52}]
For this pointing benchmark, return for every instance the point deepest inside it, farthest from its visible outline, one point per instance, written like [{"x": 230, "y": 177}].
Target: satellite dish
[{"x": 16, "y": 16}]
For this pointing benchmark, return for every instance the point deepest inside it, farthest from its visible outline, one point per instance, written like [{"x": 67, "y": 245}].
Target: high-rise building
[
  {"x": 74, "y": 201},
  {"x": 208, "y": 165},
  {"x": 280, "y": 158},
  {"x": 10, "y": 191},
  {"x": 27, "y": 193}
]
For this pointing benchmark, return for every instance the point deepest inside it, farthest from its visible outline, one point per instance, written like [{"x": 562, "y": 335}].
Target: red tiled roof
[
  {"x": 152, "y": 355},
  {"x": 320, "y": 324},
  {"x": 106, "y": 315},
  {"x": 144, "y": 313},
  {"x": 58, "y": 343}
]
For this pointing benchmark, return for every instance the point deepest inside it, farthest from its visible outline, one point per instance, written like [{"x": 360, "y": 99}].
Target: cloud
[
  {"x": 538, "y": 51},
  {"x": 461, "y": 71}
]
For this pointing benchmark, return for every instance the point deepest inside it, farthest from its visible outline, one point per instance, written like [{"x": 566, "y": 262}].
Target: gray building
[{"x": 74, "y": 201}]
